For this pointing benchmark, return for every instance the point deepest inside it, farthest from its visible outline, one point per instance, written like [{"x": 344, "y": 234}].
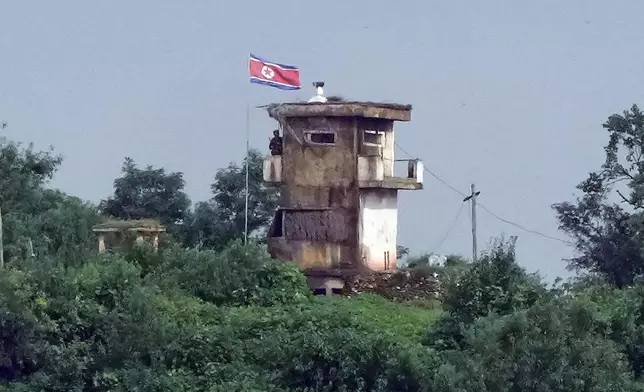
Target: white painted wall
[{"x": 378, "y": 227}]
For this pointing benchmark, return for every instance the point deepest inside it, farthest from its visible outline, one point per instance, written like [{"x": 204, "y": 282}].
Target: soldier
[{"x": 276, "y": 143}]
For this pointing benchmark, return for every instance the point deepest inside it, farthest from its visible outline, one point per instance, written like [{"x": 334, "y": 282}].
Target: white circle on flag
[{"x": 267, "y": 72}]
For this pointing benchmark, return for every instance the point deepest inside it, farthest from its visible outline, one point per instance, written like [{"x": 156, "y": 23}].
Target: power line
[
  {"x": 447, "y": 233},
  {"x": 518, "y": 226}
]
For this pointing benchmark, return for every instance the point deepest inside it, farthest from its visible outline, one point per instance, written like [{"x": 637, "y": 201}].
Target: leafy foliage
[
  {"x": 239, "y": 275},
  {"x": 148, "y": 193},
  {"x": 35, "y": 218},
  {"x": 551, "y": 346},
  {"x": 607, "y": 236},
  {"x": 495, "y": 283},
  {"x": 220, "y": 220},
  {"x": 100, "y": 326},
  {"x": 206, "y": 313}
]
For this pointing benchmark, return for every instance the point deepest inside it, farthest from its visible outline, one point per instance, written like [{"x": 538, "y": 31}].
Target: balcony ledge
[{"x": 410, "y": 184}]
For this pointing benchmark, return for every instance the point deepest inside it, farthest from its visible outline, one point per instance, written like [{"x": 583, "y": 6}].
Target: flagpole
[{"x": 247, "y": 157}]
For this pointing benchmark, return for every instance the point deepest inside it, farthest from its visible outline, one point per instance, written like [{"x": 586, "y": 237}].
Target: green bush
[
  {"x": 552, "y": 346},
  {"x": 188, "y": 320},
  {"x": 493, "y": 284},
  {"x": 100, "y": 326},
  {"x": 239, "y": 275}
]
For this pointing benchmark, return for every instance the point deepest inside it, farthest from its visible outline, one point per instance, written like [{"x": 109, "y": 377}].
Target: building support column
[{"x": 101, "y": 243}]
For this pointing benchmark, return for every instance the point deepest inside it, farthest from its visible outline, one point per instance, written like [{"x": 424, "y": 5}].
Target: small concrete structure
[
  {"x": 339, "y": 188},
  {"x": 142, "y": 228}
]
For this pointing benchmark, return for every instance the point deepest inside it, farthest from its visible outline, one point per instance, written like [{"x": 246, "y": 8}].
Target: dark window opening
[
  {"x": 322, "y": 291},
  {"x": 277, "y": 226},
  {"x": 321, "y": 137},
  {"x": 372, "y": 137}
]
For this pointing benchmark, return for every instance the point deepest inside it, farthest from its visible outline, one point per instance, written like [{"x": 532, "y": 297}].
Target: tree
[
  {"x": 495, "y": 283},
  {"x": 221, "y": 219},
  {"x": 552, "y": 346},
  {"x": 608, "y": 236},
  {"x": 23, "y": 174},
  {"x": 35, "y": 218},
  {"x": 148, "y": 193}
]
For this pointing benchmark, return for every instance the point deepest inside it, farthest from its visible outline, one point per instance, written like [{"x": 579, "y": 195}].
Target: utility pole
[
  {"x": 472, "y": 199},
  {"x": 246, "y": 185}
]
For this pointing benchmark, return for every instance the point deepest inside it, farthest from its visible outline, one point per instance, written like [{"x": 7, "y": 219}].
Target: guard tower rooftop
[
  {"x": 140, "y": 225},
  {"x": 333, "y": 108},
  {"x": 111, "y": 232}
]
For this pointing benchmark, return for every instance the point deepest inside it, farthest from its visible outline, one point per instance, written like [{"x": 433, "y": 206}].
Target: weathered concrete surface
[
  {"x": 309, "y": 255},
  {"x": 338, "y": 211},
  {"x": 389, "y": 111}
]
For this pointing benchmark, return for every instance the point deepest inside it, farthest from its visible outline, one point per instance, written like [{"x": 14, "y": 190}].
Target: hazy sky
[{"x": 508, "y": 94}]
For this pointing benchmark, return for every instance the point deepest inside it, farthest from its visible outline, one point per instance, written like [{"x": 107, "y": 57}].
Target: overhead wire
[
  {"x": 518, "y": 226},
  {"x": 483, "y": 207},
  {"x": 449, "y": 230}
]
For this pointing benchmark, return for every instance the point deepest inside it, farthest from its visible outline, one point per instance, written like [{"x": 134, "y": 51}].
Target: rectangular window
[
  {"x": 373, "y": 138},
  {"x": 320, "y": 137}
]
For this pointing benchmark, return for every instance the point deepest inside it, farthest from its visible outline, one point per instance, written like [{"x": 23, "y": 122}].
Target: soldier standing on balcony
[{"x": 276, "y": 143}]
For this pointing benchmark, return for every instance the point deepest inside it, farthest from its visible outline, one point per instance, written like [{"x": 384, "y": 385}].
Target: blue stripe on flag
[{"x": 280, "y": 86}]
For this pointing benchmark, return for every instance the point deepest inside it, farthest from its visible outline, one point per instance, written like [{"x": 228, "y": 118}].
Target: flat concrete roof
[
  {"x": 140, "y": 225},
  {"x": 387, "y": 111}
]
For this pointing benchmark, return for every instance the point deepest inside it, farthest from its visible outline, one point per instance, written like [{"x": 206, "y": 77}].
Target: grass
[
  {"x": 409, "y": 320},
  {"x": 369, "y": 312}
]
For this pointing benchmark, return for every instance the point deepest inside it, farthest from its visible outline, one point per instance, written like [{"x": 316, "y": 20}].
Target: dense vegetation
[{"x": 207, "y": 313}]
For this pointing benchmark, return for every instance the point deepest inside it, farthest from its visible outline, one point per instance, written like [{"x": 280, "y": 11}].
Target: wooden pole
[
  {"x": 474, "y": 245},
  {"x": 472, "y": 199},
  {"x": 247, "y": 157}
]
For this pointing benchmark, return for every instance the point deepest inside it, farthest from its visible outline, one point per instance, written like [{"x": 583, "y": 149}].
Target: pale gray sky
[{"x": 508, "y": 94}]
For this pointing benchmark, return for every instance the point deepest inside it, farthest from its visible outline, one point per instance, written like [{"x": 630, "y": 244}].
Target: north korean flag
[{"x": 284, "y": 77}]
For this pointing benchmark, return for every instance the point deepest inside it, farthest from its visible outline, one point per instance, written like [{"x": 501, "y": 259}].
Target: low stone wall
[{"x": 399, "y": 285}]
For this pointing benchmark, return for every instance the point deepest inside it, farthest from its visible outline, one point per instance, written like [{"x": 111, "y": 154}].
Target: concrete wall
[
  {"x": 319, "y": 194},
  {"x": 312, "y": 165},
  {"x": 311, "y": 255},
  {"x": 371, "y": 168},
  {"x": 386, "y": 152},
  {"x": 327, "y": 221},
  {"x": 378, "y": 227}
]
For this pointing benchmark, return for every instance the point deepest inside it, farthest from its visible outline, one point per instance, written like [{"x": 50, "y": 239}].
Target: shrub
[
  {"x": 552, "y": 346},
  {"x": 239, "y": 275},
  {"x": 493, "y": 284}
]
